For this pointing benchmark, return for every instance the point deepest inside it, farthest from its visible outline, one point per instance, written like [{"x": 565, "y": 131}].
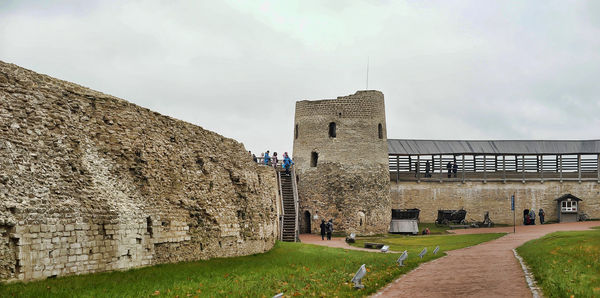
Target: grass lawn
[
  {"x": 414, "y": 244},
  {"x": 565, "y": 263},
  {"x": 291, "y": 268}
]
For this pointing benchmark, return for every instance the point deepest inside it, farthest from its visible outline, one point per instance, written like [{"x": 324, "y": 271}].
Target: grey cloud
[{"x": 449, "y": 69}]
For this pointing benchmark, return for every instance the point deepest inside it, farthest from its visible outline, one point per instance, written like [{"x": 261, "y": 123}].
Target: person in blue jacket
[
  {"x": 267, "y": 158},
  {"x": 287, "y": 162}
]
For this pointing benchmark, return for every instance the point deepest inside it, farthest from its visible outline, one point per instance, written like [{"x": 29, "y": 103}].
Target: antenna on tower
[{"x": 367, "y": 73}]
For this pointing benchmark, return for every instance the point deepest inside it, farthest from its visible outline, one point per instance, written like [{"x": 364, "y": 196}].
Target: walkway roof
[{"x": 526, "y": 147}]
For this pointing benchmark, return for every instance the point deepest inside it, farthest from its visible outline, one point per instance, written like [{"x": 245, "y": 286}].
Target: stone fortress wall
[
  {"x": 478, "y": 197},
  {"x": 90, "y": 183},
  {"x": 344, "y": 177}
]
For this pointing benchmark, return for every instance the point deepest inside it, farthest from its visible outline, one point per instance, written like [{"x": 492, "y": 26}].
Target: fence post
[
  {"x": 485, "y": 169},
  {"x": 523, "y": 166},
  {"x": 397, "y": 168},
  {"x": 561, "y": 168},
  {"x": 579, "y": 167},
  {"x": 542, "y": 168},
  {"x": 504, "y": 168}
]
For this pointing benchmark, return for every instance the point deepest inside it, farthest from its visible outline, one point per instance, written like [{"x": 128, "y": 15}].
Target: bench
[
  {"x": 373, "y": 245},
  {"x": 459, "y": 227}
]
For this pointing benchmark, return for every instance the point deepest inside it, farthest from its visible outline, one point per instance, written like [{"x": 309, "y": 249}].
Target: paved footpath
[{"x": 489, "y": 269}]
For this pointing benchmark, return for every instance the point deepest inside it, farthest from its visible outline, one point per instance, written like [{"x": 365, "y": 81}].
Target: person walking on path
[
  {"x": 541, "y": 214},
  {"x": 287, "y": 163},
  {"x": 267, "y": 158},
  {"x": 329, "y": 229},
  {"x": 323, "y": 229},
  {"x": 449, "y": 168}
]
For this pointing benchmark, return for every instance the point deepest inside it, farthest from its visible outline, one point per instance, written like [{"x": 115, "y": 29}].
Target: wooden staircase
[{"x": 289, "y": 198}]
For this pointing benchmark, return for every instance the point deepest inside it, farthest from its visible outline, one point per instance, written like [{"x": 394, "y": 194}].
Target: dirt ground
[
  {"x": 339, "y": 242},
  {"x": 489, "y": 269}
]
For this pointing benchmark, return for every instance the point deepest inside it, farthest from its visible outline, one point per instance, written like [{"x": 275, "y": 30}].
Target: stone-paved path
[{"x": 489, "y": 269}]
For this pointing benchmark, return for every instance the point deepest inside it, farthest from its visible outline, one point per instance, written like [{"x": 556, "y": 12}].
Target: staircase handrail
[
  {"x": 295, "y": 191},
  {"x": 281, "y": 217}
]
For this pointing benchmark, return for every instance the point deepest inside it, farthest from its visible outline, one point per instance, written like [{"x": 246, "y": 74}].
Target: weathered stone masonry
[
  {"x": 349, "y": 179},
  {"x": 478, "y": 197},
  {"x": 90, "y": 182}
]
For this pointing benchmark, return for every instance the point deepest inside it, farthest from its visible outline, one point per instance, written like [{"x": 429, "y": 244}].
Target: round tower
[{"x": 341, "y": 157}]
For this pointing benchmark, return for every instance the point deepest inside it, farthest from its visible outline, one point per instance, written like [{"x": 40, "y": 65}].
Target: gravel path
[{"x": 489, "y": 269}]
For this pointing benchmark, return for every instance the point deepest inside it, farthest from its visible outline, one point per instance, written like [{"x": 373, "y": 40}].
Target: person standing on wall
[
  {"x": 427, "y": 170},
  {"x": 329, "y": 229},
  {"x": 275, "y": 159},
  {"x": 449, "y": 168},
  {"x": 541, "y": 214},
  {"x": 323, "y": 229},
  {"x": 267, "y": 158},
  {"x": 454, "y": 169}
]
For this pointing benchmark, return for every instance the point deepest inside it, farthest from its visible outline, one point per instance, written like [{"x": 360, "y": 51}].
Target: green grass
[
  {"x": 565, "y": 263},
  {"x": 433, "y": 228},
  {"x": 291, "y": 268},
  {"x": 414, "y": 244}
]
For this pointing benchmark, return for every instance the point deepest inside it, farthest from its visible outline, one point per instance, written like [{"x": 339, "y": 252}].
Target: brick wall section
[
  {"x": 351, "y": 180},
  {"x": 90, "y": 182},
  {"x": 478, "y": 197}
]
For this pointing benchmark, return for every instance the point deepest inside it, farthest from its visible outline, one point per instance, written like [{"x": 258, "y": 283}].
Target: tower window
[
  {"x": 296, "y": 132},
  {"x": 380, "y": 130},
  {"x": 314, "y": 157},
  {"x": 332, "y": 130}
]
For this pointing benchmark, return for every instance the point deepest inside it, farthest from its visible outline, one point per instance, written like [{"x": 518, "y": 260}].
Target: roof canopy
[
  {"x": 526, "y": 147},
  {"x": 568, "y": 196}
]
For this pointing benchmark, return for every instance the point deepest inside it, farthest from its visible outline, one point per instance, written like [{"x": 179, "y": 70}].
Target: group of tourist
[
  {"x": 452, "y": 168},
  {"x": 529, "y": 216},
  {"x": 326, "y": 229},
  {"x": 273, "y": 161}
]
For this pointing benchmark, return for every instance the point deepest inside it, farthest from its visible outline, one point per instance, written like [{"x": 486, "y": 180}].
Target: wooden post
[
  {"x": 463, "y": 169},
  {"x": 560, "y": 168},
  {"x": 504, "y": 168},
  {"x": 398, "y": 168},
  {"x": 441, "y": 169},
  {"x": 484, "y": 168},
  {"x": 523, "y": 166},
  {"x": 409, "y": 164},
  {"x": 598, "y": 166},
  {"x": 542, "y": 168},
  {"x": 418, "y": 169},
  {"x": 579, "y": 167},
  {"x": 495, "y": 163}
]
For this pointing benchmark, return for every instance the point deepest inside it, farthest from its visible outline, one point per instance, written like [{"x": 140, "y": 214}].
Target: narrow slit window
[
  {"x": 380, "y": 130},
  {"x": 332, "y": 130},
  {"x": 314, "y": 158},
  {"x": 296, "y": 132}
]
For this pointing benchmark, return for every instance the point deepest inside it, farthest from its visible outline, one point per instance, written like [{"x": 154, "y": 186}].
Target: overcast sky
[{"x": 448, "y": 69}]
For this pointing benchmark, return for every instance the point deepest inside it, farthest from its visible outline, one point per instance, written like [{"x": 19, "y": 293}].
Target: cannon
[{"x": 446, "y": 217}]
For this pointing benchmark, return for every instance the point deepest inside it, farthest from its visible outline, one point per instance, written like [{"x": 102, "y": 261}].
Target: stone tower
[{"x": 341, "y": 157}]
